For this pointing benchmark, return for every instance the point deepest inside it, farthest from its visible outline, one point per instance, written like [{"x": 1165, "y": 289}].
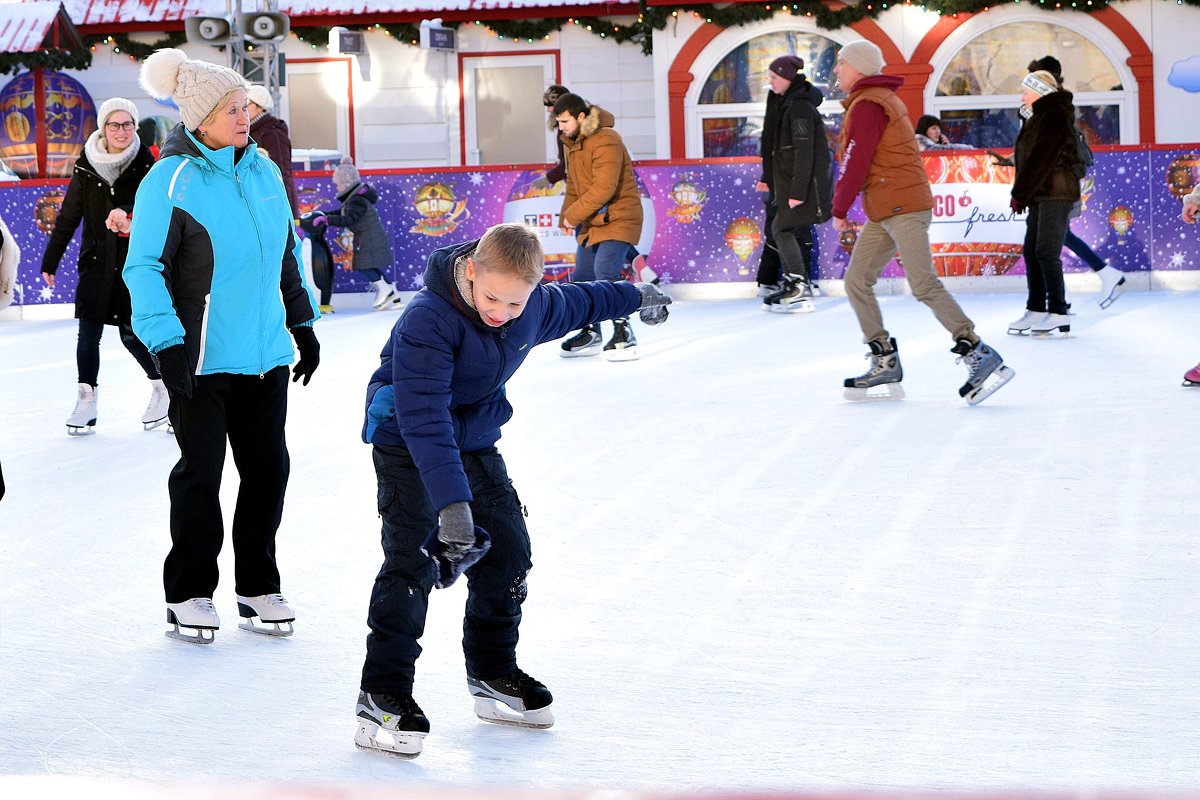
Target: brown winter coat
[
  {"x": 896, "y": 182},
  {"x": 271, "y": 133},
  {"x": 1045, "y": 153},
  {"x": 602, "y": 201}
]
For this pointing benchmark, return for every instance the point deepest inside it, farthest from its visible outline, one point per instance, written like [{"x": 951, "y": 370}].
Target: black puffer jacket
[
  {"x": 796, "y": 158},
  {"x": 101, "y": 294},
  {"x": 372, "y": 248},
  {"x": 1045, "y": 154}
]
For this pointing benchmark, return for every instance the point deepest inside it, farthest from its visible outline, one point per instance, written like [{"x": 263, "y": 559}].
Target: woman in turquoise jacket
[{"x": 213, "y": 273}]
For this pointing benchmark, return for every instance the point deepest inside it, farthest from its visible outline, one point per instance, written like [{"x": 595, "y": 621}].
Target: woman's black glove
[
  {"x": 310, "y": 353},
  {"x": 176, "y": 370}
]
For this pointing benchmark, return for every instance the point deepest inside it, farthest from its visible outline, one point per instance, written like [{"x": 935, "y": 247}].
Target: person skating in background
[
  {"x": 270, "y": 133},
  {"x": 434, "y": 409},
  {"x": 1112, "y": 280},
  {"x": 1191, "y": 208},
  {"x": 931, "y": 137},
  {"x": 603, "y": 207},
  {"x": 798, "y": 173},
  {"x": 559, "y": 171},
  {"x": 880, "y": 159},
  {"x": 214, "y": 274},
  {"x": 101, "y": 196},
  {"x": 372, "y": 247},
  {"x": 1046, "y": 186}
]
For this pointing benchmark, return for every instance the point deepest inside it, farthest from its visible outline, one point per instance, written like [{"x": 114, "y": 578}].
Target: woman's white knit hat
[
  {"x": 115, "y": 104},
  {"x": 261, "y": 97},
  {"x": 195, "y": 86},
  {"x": 1041, "y": 82}
]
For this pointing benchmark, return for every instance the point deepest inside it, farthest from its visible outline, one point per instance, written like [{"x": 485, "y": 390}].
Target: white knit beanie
[
  {"x": 261, "y": 97},
  {"x": 1041, "y": 82},
  {"x": 863, "y": 56},
  {"x": 115, "y": 104},
  {"x": 346, "y": 175},
  {"x": 195, "y": 86}
]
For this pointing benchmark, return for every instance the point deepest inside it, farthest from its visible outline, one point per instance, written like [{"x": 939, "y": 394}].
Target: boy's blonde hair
[{"x": 512, "y": 248}]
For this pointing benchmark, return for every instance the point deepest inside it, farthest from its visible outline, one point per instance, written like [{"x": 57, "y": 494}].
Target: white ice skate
[
  {"x": 1028, "y": 320},
  {"x": 268, "y": 609},
  {"x": 1112, "y": 284},
  {"x": 156, "y": 411},
  {"x": 385, "y": 294},
  {"x": 197, "y": 614},
  {"x": 83, "y": 419},
  {"x": 390, "y": 724},
  {"x": 515, "y": 699},
  {"x": 1051, "y": 324}
]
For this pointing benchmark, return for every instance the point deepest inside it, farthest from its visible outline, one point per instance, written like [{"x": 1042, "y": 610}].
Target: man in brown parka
[{"x": 603, "y": 207}]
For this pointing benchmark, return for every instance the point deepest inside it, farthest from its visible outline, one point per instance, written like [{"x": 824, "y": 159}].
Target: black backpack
[{"x": 1083, "y": 154}]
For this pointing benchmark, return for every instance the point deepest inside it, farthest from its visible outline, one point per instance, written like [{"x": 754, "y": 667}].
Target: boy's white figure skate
[
  {"x": 83, "y": 419},
  {"x": 1051, "y": 324},
  {"x": 401, "y": 720},
  {"x": 513, "y": 699},
  {"x": 986, "y": 371},
  {"x": 1112, "y": 284},
  {"x": 1027, "y": 321},
  {"x": 156, "y": 411},
  {"x": 882, "y": 380},
  {"x": 197, "y": 614},
  {"x": 269, "y": 609}
]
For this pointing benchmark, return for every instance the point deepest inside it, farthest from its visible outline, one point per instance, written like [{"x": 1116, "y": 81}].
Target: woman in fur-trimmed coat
[{"x": 1047, "y": 186}]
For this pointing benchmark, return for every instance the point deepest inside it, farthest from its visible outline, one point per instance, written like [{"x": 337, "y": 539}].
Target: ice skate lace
[
  {"x": 203, "y": 604},
  {"x": 521, "y": 681},
  {"x": 971, "y": 359},
  {"x": 402, "y": 704}
]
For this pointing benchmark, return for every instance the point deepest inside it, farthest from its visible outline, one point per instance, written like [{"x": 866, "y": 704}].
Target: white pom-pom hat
[{"x": 195, "y": 86}]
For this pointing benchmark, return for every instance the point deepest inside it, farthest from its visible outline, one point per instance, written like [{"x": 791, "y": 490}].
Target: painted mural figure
[
  {"x": 880, "y": 160},
  {"x": 434, "y": 410},
  {"x": 216, "y": 283},
  {"x": 798, "y": 174},
  {"x": 603, "y": 206},
  {"x": 101, "y": 196}
]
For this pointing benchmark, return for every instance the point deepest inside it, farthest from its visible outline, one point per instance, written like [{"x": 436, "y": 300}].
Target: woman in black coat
[
  {"x": 1047, "y": 185},
  {"x": 100, "y": 195}
]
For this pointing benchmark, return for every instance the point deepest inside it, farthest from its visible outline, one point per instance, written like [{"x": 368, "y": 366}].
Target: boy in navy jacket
[{"x": 434, "y": 410}]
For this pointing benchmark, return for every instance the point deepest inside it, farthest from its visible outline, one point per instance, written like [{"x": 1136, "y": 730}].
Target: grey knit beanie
[
  {"x": 195, "y": 86},
  {"x": 345, "y": 175}
]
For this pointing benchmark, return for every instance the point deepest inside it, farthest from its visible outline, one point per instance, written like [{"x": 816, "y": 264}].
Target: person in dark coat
[
  {"x": 1045, "y": 185},
  {"x": 434, "y": 409},
  {"x": 270, "y": 133},
  {"x": 100, "y": 195},
  {"x": 797, "y": 171}
]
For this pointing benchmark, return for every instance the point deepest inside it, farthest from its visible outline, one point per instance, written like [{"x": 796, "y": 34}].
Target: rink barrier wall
[{"x": 702, "y": 230}]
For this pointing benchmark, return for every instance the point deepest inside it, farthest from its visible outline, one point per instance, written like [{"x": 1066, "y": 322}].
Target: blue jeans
[
  {"x": 400, "y": 598},
  {"x": 602, "y": 261}
]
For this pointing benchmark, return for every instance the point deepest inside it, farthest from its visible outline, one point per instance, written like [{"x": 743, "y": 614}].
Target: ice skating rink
[{"x": 742, "y": 582}]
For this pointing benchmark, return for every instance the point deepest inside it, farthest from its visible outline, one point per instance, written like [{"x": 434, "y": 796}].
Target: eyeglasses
[{"x": 119, "y": 126}]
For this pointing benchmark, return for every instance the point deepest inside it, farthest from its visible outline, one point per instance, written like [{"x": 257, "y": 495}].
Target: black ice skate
[
  {"x": 623, "y": 344},
  {"x": 401, "y": 719},
  {"x": 512, "y": 699},
  {"x": 198, "y": 615},
  {"x": 882, "y": 380},
  {"x": 795, "y": 294},
  {"x": 584, "y": 343},
  {"x": 269, "y": 609},
  {"x": 985, "y": 370}
]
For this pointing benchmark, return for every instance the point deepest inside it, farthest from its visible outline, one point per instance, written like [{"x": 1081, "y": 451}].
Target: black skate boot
[
  {"x": 982, "y": 363},
  {"x": 399, "y": 716},
  {"x": 520, "y": 692},
  {"x": 884, "y": 375},
  {"x": 795, "y": 294},
  {"x": 623, "y": 344},
  {"x": 584, "y": 343}
]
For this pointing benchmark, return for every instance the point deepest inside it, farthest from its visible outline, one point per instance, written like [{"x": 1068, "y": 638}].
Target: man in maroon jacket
[{"x": 880, "y": 160}]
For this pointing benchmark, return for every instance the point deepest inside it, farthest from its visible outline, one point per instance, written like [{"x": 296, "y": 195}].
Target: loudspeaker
[
  {"x": 208, "y": 30},
  {"x": 265, "y": 27}
]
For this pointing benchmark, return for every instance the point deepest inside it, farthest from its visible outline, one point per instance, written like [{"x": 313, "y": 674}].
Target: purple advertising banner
[{"x": 703, "y": 219}]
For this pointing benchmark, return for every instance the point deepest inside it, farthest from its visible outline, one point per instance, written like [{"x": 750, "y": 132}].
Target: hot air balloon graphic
[
  {"x": 742, "y": 236},
  {"x": 439, "y": 210},
  {"x": 1120, "y": 219},
  {"x": 689, "y": 199}
]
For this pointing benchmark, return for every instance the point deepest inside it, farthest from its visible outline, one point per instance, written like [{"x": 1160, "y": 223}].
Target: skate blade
[
  {"x": 1188, "y": 383},
  {"x": 622, "y": 354},
  {"x": 1116, "y": 292},
  {"x": 872, "y": 394},
  {"x": 81, "y": 430},
  {"x": 158, "y": 423},
  {"x": 198, "y": 638},
  {"x": 404, "y": 745},
  {"x": 1064, "y": 330},
  {"x": 1002, "y": 375},
  {"x": 490, "y": 710},
  {"x": 806, "y": 307},
  {"x": 590, "y": 350},
  {"x": 1018, "y": 331},
  {"x": 261, "y": 627}
]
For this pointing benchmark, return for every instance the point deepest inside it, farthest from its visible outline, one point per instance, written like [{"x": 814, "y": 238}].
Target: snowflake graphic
[
  {"x": 737, "y": 181},
  {"x": 1177, "y": 260},
  {"x": 1121, "y": 170},
  {"x": 691, "y": 262},
  {"x": 476, "y": 179},
  {"x": 46, "y": 293}
]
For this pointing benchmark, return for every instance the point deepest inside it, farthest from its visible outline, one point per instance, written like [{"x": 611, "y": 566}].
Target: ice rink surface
[{"x": 741, "y": 581}]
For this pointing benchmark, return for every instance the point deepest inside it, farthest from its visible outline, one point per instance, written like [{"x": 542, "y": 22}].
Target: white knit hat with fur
[
  {"x": 195, "y": 86},
  {"x": 116, "y": 104},
  {"x": 261, "y": 97}
]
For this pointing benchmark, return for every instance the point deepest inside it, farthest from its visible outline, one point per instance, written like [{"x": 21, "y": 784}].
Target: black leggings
[{"x": 87, "y": 351}]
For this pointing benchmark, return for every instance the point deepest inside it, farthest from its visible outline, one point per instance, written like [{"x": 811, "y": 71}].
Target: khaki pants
[{"x": 877, "y": 242}]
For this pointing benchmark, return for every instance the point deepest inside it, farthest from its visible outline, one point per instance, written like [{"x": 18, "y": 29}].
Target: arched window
[
  {"x": 977, "y": 92},
  {"x": 732, "y": 99}
]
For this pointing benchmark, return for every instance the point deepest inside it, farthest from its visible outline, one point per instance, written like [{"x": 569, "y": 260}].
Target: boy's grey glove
[
  {"x": 653, "y": 309},
  {"x": 175, "y": 369},
  {"x": 456, "y": 545}
]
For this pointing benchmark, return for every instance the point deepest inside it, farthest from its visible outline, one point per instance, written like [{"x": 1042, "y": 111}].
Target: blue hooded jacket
[
  {"x": 214, "y": 262},
  {"x": 439, "y": 389}
]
